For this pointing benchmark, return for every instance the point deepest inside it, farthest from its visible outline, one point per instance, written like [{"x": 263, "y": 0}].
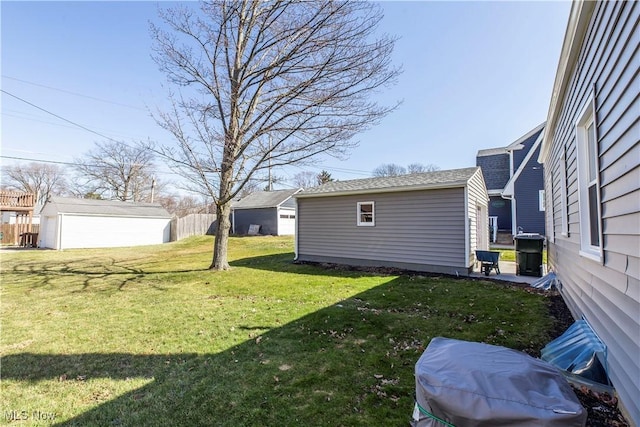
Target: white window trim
[
  {"x": 587, "y": 117},
  {"x": 373, "y": 215},
  {"x": 541, "y": 200}
]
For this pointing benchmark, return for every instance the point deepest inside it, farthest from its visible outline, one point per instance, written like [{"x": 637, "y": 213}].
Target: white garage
[{"x": 67, "y": 223}]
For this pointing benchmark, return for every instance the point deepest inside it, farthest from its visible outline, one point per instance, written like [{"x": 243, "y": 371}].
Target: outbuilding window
[
  {"x": 366, "y": 214},
  {"x": 588, "y": 185}
]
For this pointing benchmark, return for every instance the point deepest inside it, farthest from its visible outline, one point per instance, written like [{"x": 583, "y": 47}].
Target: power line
[
  {"x": 39, "y": 161},
  {"x": 162, "y": 172},
  {"x": 335, "y": 169},
  {"x": 36, "y": 120},
  {"x": 58, "y": 116},
  {"x": 74, "y": 93}
]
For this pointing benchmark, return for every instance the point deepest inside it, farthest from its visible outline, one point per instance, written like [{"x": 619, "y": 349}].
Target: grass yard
[{"x": 148, "y": 336}]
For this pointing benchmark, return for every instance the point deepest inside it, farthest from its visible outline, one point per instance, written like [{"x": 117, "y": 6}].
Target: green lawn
[{"x": 148, "y": 336}]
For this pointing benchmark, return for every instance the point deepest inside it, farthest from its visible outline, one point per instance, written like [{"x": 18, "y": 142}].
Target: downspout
[{"x": 514, "y": 218}]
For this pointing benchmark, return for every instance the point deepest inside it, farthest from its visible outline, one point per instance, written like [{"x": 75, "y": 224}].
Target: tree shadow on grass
[
  {"x": 119, "y": 273},
  {"x": 347, "y": 364},
  {"x": 351, "y": 363}
]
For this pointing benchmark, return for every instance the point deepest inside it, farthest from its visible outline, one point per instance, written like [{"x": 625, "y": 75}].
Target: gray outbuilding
[
  {"x": 270, "y": 212},
  {"x": 430, "y": 222}
]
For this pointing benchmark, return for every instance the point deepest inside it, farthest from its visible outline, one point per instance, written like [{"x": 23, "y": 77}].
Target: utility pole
[{"x": 153, "y": 187}]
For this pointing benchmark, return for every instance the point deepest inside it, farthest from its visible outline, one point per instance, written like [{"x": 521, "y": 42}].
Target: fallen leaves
[{"x": 379, "y": 390}]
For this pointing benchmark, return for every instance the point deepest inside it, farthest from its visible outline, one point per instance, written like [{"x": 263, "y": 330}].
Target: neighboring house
[
  {"x": 591, "y": 155},
  {"x": 429, "y": 222},
  {"x": 515, "y": 184},
  {"x": 67, "y": 223},
  {"x": 273, "y": 211}
]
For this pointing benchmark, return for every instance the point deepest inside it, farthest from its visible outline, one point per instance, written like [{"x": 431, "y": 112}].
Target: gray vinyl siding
[
  {"x": 265, "y": 217},
  {"x": 419, "y": 230},
  {"x": 478, "y": 213},
  {"x": 607, "y": 294}
]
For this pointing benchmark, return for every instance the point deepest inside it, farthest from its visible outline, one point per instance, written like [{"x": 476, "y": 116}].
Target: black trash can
[{"x": 529, "y": 254}]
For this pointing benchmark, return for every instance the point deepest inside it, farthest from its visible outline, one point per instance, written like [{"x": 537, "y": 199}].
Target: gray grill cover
[{"x": 474, "y": 384}]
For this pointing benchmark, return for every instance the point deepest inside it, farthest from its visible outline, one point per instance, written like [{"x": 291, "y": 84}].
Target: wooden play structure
[{"x": 22, "y": 204}]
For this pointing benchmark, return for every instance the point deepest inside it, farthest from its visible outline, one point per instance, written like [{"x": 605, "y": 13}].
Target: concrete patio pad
[{"x": 507, "y": 273}]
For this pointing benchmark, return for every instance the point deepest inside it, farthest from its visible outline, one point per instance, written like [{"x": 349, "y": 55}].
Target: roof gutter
[{"x": 579, "y": 19}]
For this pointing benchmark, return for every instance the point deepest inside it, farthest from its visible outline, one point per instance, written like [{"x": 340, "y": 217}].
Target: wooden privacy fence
[
  {"x": 9, "y": 233},
  {"x": 192, "y": 225}
]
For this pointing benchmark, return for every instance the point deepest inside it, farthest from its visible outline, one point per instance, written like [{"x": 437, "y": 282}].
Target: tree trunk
[{"x": 220, "y": 261}]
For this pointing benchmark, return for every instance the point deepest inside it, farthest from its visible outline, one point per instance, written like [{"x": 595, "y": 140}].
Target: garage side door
[
  {"x": 286, "y": 222},
  {"x": 49, "y": 231}
]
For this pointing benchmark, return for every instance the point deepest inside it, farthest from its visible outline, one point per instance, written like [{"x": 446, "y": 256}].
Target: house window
[
  {"x": 588, "y": 187},
  {"x": 366, "y": 214},
  {"x": 541, "y": 200}
]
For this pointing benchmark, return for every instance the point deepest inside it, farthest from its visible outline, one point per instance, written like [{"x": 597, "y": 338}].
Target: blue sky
[{"x": 476, "y": 75}]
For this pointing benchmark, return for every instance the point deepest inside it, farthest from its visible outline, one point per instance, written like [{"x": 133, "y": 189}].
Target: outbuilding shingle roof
[
  {"x": 264, "y": 199},
  {"x": 105, "y": 207},
  {"x": 416, "y": 181}
]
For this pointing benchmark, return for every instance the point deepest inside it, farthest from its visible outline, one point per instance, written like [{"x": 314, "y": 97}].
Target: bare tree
[
  {"x": 265, "y": 84},
  {"x": 305, "y": 179},
  {"x": 392, "y": 169},
  {"x": 41, "y": 179},
  {"x": 419, "y": 168},
  {"x": 181, "y": 205},
  {"x": 116, "y": 170},
  {"x": 389, "y": 169}
]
